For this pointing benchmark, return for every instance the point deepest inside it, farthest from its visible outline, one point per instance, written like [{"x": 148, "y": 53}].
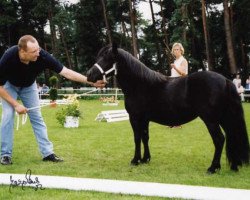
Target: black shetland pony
[{"x": 151, "y": 96}]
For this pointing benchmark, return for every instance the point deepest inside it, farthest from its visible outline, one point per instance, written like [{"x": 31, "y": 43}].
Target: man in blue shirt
[{"x": 19, "y": 67}]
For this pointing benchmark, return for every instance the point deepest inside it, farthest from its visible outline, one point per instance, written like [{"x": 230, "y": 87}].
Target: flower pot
[
  {"x": 52, "y": 104},
  {"x": 71, "y": 122}
]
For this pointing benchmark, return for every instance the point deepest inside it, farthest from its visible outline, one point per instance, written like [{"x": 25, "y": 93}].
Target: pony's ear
[{"x": 114, "y": 48}]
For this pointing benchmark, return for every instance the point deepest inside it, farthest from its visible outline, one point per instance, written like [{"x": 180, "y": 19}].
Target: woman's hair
[
  {"x": 179, "y": 45},
  {"x": 22, "y": 43}
]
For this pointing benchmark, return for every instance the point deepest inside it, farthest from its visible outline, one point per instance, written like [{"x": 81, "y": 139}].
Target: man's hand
[
  {"x": 99, "y": 84},
  {"x": 20, "y": 109}
]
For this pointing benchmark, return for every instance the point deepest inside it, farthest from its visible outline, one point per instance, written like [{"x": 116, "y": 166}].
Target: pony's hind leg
[
  {"x": 145, "y": 139},
  {"x": 218, "y": 140}
]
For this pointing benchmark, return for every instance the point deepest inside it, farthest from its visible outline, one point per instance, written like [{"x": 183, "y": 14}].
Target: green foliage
[
  {"x": 89, "y": 31},
  {"x": 71, "y": 109},
  {"x": 53, "y": 80},
  {"x": 9, "y": 26},
  {"x": 53, "y": 94}
]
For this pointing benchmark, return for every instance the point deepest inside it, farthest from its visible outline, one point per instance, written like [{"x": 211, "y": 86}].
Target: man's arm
[
  {"x": 75, "y": 76},
  {"x": 19, "y": 108}
]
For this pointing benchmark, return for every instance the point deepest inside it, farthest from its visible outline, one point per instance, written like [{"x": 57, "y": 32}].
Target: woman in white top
[{"x": 180, "y": 65}]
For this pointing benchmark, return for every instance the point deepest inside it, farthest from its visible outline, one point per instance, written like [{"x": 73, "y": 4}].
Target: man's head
[{"x": 28, "y": 48}]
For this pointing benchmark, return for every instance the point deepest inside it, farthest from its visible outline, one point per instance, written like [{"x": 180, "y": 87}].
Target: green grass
[{"x": 104, "y": 150}]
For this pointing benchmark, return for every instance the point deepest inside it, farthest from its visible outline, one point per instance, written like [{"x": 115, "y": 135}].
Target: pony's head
[{"x": 105, "y": 65}]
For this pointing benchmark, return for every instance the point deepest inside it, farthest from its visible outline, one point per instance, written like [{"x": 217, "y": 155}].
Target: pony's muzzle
[{"x": 93, "y": 75}]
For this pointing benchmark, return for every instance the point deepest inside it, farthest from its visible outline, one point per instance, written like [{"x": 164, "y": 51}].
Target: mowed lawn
[{"x": 104, "y": 150}]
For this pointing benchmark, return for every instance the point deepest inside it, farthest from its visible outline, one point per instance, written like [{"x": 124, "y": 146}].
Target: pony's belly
[{"x": 172, "y": 120}]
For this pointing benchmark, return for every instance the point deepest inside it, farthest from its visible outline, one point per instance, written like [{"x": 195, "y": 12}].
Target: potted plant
[
  {"x": 53, "y": 91},
  {"x": 69, "y": 116}
]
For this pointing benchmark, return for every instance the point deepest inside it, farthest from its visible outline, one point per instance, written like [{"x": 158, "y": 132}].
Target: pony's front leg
[
  {"x": 137, "y": 157},
  {"x": 140, "y": 128},
  {"x": 137, "y": 139}
]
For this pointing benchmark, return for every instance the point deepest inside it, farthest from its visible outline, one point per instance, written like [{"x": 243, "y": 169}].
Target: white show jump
[
  {"x": 132, "y": 187},
  {"x": 112, "y": 116}
]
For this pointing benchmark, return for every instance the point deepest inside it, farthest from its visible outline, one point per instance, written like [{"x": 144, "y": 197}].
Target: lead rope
[{"x": 25, "y": 116}]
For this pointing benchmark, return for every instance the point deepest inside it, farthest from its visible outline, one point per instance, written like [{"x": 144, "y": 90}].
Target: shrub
[
  {"x": 53, "y": 94},
  {"x": 53, "y": 80},
  {"x": 72, "y": 109}
]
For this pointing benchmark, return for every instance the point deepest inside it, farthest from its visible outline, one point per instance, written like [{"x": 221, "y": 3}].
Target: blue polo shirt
[{"x": 24, "y": 75}]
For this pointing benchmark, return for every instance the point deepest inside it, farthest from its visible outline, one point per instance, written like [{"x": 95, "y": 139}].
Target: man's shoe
[
  {"x": 6, "y": 160},
  {"x": 53, "y": 158}
]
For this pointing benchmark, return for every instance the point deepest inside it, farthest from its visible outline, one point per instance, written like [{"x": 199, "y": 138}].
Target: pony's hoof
[
  {"x": 209, "y": 171},
  {"x": 135, "y": 162},
  {"x": 145, "y": 160},
  {"x": 234, "y": 168},
  {"x": 213, "y": 170}
]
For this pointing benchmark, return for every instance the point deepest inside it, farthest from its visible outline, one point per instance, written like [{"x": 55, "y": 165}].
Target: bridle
[{"x": 107, "y": 72}]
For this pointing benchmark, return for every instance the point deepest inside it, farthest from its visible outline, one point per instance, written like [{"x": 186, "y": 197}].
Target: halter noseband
[{"x": 107, "y": 72}]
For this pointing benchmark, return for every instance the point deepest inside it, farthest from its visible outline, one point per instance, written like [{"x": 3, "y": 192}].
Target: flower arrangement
[
  {"x": 109, "y": 99},
  {"x": 72, "y": 109}
]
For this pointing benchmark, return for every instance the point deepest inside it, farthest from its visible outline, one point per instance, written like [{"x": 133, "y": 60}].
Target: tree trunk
[
  {"x": 155, "y": 32},
  {"x": 206, "y": 35},
  {"x": 229, "y": 40},
  {"x": 106, "y": 22},
  {"x": 184, "y": 19},
  {"x": 167, "y": 52},
  {"x": 124, "y": 28},
  {"x": 133, "y": 31},
  {"x": 231, "y": 14},
  {"x": 65, "y": 48},
  {"x": 243, "y": 54},
  {"x": 164, "y": 21},
  {"x": 52, "y": 32}
]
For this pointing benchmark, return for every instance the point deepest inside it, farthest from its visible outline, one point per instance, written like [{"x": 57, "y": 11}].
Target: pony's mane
[
  {"x": 103, "y": 50},
  {"x": 140, "y": 70}
]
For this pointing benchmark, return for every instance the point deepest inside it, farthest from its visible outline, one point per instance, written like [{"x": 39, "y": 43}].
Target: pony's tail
[{"x": 234, "y": 125}]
